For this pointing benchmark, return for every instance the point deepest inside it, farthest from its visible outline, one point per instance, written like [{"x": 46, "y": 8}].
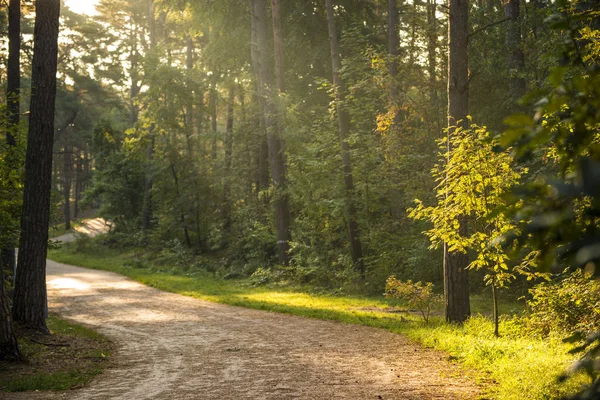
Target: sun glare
[{"x": 82, "y": 6}]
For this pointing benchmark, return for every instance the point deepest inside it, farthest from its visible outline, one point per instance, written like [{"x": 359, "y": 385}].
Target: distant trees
[
  {"x": 30, "y": 300},
  {"x": 272, "y": 121},
  {"x": 344, "y": 121}
]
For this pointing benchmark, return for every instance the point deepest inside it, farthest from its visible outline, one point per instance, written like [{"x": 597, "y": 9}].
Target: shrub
[
  {"x": 566, "y": 306},
  {"x": 416, "y": 295}
]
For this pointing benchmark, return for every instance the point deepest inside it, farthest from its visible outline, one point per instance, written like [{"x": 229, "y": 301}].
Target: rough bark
[
  {"x": 13, "y": 106},
  {"x": 275, "y": 145},
  {"x": 516, "y": 57},
  {"x": 9, "y": 348},
  {"x": 30, "y": 298},
  {"x": 13, "y": 88},
  {"x": 456, "y": 277},
  {"x": 344, "y": 132}
]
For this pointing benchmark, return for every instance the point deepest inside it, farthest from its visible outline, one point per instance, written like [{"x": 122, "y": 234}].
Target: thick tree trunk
[
  {"x": 516, "y": 58},
  {"x": 275, "y": 144},
  {"x": 9, "y": 348},
  {"x": 278, "y": 42},
  {"x": 13, "y": 106},
  {"x": 30, "y": 298},
  {"x": 13, "y": 88},
  {"x": 456, "y": 276},
  {"x": 344, "y": 132}
]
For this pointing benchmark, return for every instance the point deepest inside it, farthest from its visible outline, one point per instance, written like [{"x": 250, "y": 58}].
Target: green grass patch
[
  {"x": 59, "y": 229},
  {"x": 67, "y": 359},
  {"x": 514, "y": 366}
]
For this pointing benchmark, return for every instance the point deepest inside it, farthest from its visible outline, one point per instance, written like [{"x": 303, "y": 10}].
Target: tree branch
[{"x": 476, "y": 31}]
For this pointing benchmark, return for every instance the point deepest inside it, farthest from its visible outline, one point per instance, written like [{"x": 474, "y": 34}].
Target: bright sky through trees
[{"x": 82, "y": 6}]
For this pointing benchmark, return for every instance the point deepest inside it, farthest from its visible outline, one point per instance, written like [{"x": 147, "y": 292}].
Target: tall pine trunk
[
  {"x": 228, "y": 157},
  {"x": 516, "y": 57},
  {"x": 344, "y": 132},
  {"x": 393, "y": 53},
  {"x": 267, "y": 97},
  {"x": 13, "y": 107},
  {"x": 147, "y": 206},
  {"x": 456, "y": 276},
  {"x": 9, "y": 348},
  {"x": 30, "y": 298}
]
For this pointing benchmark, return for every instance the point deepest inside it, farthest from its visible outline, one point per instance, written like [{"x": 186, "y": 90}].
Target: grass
[
  {"x": 514, "y": 366},
  {"x": 59, "y": 229},
  {"x": 71, "y": 357}
]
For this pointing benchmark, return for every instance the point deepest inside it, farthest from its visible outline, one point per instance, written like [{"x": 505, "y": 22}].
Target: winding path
[{"x": 174, "y": 347}]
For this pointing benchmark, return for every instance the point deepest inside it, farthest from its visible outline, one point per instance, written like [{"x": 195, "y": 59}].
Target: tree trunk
[
  {"x": 393, "y": 53},
  {"x": 432, "y": 45},
  {"x": 213, "y": 114},
  {"x": 67, "y": 167},
  {"x": 275, "y": 144},
  {"x": 78, "y": 184},
  {"x": 516, "y": 58},
  {"x": 147, "y": 206},
  {"x": 456, "y": 276},
  {"x": 495, "y": 316},
  {"x": 13, "y": 106},
  {"x": 344, "y": 131},
  {"x": 278, "y": 43},
  {"x": 9, "y": 348},
  {"x": 228, "y": 157},
  {"x": 30, "y": 302}
]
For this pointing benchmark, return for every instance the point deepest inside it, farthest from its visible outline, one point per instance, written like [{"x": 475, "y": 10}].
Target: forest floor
[{"x": 169, "y": 346}]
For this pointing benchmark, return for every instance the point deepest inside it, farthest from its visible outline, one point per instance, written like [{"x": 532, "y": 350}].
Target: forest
[{"x": 429, "y": 168}]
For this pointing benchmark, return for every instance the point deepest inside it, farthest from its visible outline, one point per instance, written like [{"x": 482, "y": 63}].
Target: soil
[{"x": 169, "y": 346}]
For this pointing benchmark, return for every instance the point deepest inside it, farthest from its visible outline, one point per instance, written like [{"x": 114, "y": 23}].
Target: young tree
[
  {"x": 30, "y": 298},
  {"x": 456, "y": 275},
  {"x": 473, "y": 182}
]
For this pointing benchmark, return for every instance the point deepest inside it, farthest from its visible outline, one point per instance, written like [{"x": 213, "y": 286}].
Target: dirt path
[{"x": 174, "y": 347}]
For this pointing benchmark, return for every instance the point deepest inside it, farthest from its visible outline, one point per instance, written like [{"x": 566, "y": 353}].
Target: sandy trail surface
[{"x": 170, "y": 346}]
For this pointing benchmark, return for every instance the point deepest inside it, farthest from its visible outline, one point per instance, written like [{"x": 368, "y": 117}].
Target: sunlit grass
[{"x": 514, "y": 366}]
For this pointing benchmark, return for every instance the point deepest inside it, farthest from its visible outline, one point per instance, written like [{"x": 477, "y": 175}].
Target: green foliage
[
  {"x": 12, "y": 159},
  {"x": 416, "y": 295},
  {"x": 566, "y": 305},
  {"x": 559, "y": 214},
  {"x": 473, "y": 179}
]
